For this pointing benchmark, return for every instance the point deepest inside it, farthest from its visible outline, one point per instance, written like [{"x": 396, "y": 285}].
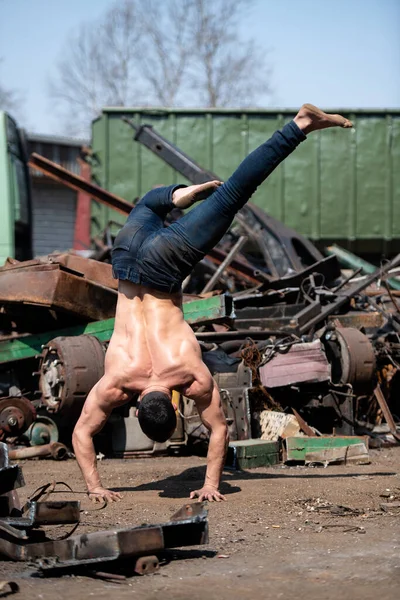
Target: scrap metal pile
[
  {"x": 22, "y": 537},
  {"x": 282, "y": 330}
]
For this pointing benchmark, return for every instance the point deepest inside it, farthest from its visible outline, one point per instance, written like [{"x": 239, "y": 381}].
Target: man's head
[{"x": 157, "y": 416}]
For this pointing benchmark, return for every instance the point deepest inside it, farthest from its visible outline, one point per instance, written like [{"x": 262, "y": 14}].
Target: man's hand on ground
[
  {"x": 100, "y": 493},
  {"x": 207, "y": 493}
]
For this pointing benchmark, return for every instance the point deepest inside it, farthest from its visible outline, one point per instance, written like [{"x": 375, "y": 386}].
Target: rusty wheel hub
[
  {"x": 69, "y": 369},
  {"x": 16, "y": 415},
  {"x": 352, "y": 357}
]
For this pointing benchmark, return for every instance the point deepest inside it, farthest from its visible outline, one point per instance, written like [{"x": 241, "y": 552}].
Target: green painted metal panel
[
  {"x": 7, "y": 203},
  {"x": 250, "y": 454},
  {"x": 371, "y": 177},
  {"x": 99, "y": 212},
  {"x": 194, "y": 136},
  {"x": 335, "y": 184},
  {"x": 338, "y": 186},
  {"x": 31, "y": 345},
  {"x": 196, "y": 311},
  {"x": 395, "y": 171},
  {"x": 298, "y": 447}
]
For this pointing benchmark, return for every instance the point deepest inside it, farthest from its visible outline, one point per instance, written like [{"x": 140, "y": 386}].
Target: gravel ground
[{"x": 279, "y": 532}]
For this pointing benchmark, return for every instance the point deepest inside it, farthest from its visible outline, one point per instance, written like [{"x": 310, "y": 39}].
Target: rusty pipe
[{"x": 54, "y": 449}]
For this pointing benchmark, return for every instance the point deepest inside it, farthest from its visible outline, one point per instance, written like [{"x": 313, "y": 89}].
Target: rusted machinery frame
[
  {"x": 59, "y": 512},
  {"x": 353, "y": 290},
  {"x": 188, "y": 527}
]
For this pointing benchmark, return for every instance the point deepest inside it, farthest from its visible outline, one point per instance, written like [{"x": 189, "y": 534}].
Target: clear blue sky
[{"x": 344, "y": 53}]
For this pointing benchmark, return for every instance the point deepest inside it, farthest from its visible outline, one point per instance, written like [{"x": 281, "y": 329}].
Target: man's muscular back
[{"x": 152, "y": 346}]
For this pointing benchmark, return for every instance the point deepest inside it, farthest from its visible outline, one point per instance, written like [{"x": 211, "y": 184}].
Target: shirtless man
[{"x": 153, "y": 350}]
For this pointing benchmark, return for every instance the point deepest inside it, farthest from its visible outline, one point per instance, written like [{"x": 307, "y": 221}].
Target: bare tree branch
[
  {"x": 147, "y": 52},
  {"x": 227, "y": 70},
  {"x": 99, "y": 68},
  {"x": 166, "y": 47}
]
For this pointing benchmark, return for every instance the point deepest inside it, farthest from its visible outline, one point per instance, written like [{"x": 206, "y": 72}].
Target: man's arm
[
  {"x": 213, "y": 417},
  {"x": 94, "y": 415}
]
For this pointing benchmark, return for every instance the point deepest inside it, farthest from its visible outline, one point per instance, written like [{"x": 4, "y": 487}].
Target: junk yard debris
[
  {"x": 306, "y": 358},
  {"x": 281, "y": 329}
]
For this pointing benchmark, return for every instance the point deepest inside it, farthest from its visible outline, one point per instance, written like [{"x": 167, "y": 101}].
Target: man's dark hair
[{"x": 157, "y": 416}]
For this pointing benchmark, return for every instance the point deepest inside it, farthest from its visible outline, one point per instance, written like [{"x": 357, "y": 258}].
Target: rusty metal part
[
  {"x": 77, "y": 183},
  {"x": 347, "y": 280},
  {"x": 225, "y": 263},
  {"x": 303, "y": 424},
  {"x": 70, "y": 367},
  {"x": 188, "y": 527},
  {"x": 54, "y": 449},
  {"x": 51, "y": 286},
  {"x": 240, "y": 334},
  {"x": 325, "y": 266},
  {"x": 302, "y": 363},
  {"x": 16, "y": 415},
  {"x": 285, "y": 318},
  {"x": 146, "y": 565},
  {"x": 352, "y": 357},
  {"x": 11, "y": 477},
  {"x": 352, "y": 290},
  {"x": 234, "y": 388},
  {"x": 99, "y": 272},
  {"x": 63, "y": 512},
  {"x": 13, "y": 518},
  {"x": 239, "y": 268},
  {"x": 359, "y": 319},
  {"x": 386, "y": 412},
  {"x": 42, "y": 431},
  {"x": 12, "y": 585},
  {"x": 56, "y": 512}
]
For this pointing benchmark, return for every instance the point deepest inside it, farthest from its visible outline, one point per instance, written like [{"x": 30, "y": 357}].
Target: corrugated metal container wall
[
  {"x": 54, "y": 210},
  {"x": 341, "y": 186},
  {"x": 53, "y": 205}
]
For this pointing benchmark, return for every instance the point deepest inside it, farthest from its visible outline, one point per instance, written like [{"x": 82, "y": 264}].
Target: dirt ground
[{"x": 277, "y": 535}]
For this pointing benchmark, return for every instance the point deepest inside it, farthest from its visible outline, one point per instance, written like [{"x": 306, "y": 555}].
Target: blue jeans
[{"x": 147, "y": 253}]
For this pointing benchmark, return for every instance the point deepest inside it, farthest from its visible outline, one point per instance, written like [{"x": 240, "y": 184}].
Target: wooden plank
[
  {"x": 298, "y": 447},
  {"x": 355, "y": 453}
]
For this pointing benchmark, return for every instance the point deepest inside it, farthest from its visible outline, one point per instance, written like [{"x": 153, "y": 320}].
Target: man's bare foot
[
  {"x": 310, "y": 118},
  {"x": 185, "y": 197}
]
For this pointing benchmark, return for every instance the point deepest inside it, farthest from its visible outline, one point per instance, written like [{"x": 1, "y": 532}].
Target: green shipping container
[{"x": 339, "y": 186}]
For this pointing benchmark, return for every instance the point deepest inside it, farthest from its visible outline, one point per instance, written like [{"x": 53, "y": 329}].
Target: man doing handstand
[{"x": 153, "y": 350}]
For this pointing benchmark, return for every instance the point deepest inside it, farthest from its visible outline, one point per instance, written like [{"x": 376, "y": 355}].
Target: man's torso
[{"x": 153, "y": 345}]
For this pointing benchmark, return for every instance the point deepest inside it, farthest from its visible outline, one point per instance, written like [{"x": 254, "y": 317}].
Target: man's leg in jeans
[{"x": 205, "y": 225}]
